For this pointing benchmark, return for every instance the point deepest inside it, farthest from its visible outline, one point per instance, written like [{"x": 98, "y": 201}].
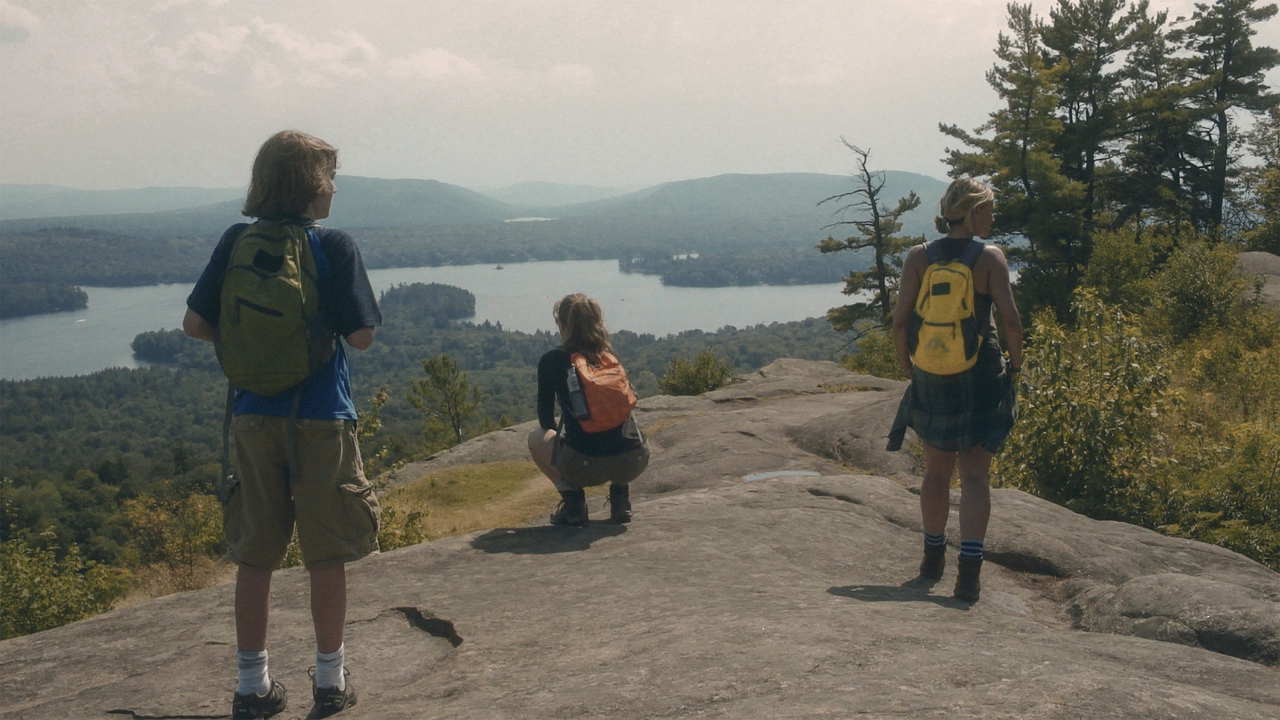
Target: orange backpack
[{"x": 606, "y": 390}]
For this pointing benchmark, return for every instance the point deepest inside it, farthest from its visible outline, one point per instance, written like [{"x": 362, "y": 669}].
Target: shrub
[
  {"x": 183, "y": 534},
  {"x": 1122, "y": 263},
  {"x": 1091, "y": 403},
  {"x": 1230, "y": 494},
  {"x": 706, "y": 373},
  {"x": 1197, "y": 288},
  {"x": 876, "y": 356},
  {"x": 38, "y": 591}
]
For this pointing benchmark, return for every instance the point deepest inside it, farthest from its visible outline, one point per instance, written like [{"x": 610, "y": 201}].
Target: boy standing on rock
[{"x": 274, "y": 298}]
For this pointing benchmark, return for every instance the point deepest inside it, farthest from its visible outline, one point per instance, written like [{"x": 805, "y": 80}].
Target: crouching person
[
  {"x": 597, "y": 440},
  {"x": 274, "y": 299}
]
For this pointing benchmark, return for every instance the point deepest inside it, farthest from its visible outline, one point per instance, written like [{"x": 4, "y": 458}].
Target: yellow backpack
[{"x": 943, "y": 334}]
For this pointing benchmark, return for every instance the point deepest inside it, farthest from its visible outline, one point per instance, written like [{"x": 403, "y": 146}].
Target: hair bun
[{"x": 941, "y": 224}]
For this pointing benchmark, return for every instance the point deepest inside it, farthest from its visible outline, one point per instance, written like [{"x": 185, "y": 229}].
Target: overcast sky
[{"x": 480, "y": 93}]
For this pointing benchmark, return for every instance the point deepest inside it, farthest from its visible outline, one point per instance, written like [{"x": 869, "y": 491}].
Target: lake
[{"x": 519, "y": 296}]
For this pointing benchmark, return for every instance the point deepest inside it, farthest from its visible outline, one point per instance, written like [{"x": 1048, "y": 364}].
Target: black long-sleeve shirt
[{"x": 553, "y": 385}]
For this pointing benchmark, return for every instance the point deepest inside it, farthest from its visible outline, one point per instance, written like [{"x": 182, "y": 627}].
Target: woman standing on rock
[
  {"x": 961, "y": 399},
  {"x": 600, "y": 442}
]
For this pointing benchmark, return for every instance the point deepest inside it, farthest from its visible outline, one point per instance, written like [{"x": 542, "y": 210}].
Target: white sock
[
  {"x": 329, "y": 669},
  {"x": 254, "y": 679}
]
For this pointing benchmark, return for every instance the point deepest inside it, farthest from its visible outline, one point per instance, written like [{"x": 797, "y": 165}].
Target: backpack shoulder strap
[
  {"x": 317, "y": 253},
  {"x": 972, "y": 252},
  {"x": 933, "y": 251}
]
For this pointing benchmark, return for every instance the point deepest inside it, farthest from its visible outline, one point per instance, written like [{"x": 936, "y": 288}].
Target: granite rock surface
[{"x": 770, "y": 571}]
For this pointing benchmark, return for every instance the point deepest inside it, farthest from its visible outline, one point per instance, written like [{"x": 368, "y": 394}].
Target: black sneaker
[
  {"x": 934, "y": 562},
  {"x": 619, "y": 503},
  {"x": 331, "y": 700},
  {"x": 247, "y": 707},
  {"x": 572, "y": 509}
]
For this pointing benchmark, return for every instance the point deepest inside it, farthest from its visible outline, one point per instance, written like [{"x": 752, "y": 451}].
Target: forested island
[{"x": 18, "y": 299}]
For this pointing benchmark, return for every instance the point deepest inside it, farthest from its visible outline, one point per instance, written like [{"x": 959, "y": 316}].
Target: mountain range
[{"x": 377, "y": 203}]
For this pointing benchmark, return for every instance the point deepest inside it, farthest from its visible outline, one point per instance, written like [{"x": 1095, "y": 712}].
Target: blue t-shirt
[{"x": 346, "y": 298}]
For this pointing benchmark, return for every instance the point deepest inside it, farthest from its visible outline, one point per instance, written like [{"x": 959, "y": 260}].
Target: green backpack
[
  {"x": 943, "y": 332},
  {"x": 271, "y": 333}
]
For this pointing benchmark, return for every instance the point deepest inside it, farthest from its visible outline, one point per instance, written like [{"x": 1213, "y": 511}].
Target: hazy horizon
[
  {"x": 481, "y": 189},
  {"x": 180, "y": 93}
]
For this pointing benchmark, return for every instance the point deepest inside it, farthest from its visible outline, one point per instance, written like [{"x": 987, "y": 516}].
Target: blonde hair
[
  {"x": 962, "y": 196},
  {"x": 291, "y": 169},
  {"x": 581, "y": 323}
]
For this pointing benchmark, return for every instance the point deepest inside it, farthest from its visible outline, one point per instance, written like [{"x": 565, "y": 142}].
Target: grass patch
[
  {"x": 158, "y": 579},
  {"x": 659, "y": 425},
  {"x": 475, "y": 497},
  {"x": 844, "y": 388}
]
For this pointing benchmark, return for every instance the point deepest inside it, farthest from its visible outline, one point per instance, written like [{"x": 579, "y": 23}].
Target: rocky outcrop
[
  {"x": 1265, "y": 268},
  {"x": 770, "y": 572}
]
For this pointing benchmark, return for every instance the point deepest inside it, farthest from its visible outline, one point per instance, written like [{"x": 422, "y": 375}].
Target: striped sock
[
  {"x": 971, "y": 548},
  {"x": 939, "y": 539},
  {"x": 254, "y": 679}
]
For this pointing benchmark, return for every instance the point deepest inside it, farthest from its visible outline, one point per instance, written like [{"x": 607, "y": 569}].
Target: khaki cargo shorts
[{"x": 332, "y": 502}]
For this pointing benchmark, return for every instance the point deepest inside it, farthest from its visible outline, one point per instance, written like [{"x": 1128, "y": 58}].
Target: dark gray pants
[{"x": 582, "y": 471}]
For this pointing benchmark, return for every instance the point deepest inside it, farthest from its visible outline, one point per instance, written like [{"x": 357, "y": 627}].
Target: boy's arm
[
  {"x": 204, "y": 304},
  {"x": 361, "y": 339},
  {"x": 195, "y": 326},
  {"x": 354, "y": 305}
]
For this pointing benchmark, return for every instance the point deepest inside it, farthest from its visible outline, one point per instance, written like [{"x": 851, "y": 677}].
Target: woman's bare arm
[
  {"x": 1001, "y": 291},
  {"x": 908, "y": 289}
]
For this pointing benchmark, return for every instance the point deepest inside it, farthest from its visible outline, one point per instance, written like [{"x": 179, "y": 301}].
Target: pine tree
[
  {"x": 878, "y": 227},
  {"x": 1226, "y": 73},
  {"x": 1085, "y": 39},
  {"x": 1017, "y": 151},
  {"x": 1260, "y": 199},
  {"x": 447, "y": 401}
]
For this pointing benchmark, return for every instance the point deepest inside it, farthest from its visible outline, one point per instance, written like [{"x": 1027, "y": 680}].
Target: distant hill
[
  {"x": 545, "y": 194},
  {"x": 790, "y": 196},
  {"x": 362, "y": 202},
  {"x": 45, "y": 201},
  {"x": 741, "y": 220},
  {"x": 375, "y": 203},
  {"x": 371, "y": 202}
]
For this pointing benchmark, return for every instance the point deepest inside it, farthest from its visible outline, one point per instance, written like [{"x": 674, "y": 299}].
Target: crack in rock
[
  {"x": 430, "y": 624},
  {"x": 834, "y": 496},
  {"x": 138, "y": 716}
]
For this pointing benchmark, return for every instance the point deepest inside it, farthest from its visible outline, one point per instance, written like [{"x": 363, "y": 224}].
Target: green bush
[
  {"x": 1122, "y": 264},
  {"x": 1091, "y": 402},
  {"x": 1230, "y": 495},
  {"x": 1197, "y": 288},
  {"x": 876, "y": 356},
  {"x": 38, "y": 591},
  {"x": 707, "y": 372}
]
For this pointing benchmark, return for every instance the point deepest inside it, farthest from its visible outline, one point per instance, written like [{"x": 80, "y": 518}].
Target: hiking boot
[
  {"x": 331, "y": 701},
  {"x": 934, "y": 562},
  {"x": 246, "y": 707},
  {"x": 619, "y": 503},
  {"x": 967, "y": 585},
  {"x": 572, "y": 509}
]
